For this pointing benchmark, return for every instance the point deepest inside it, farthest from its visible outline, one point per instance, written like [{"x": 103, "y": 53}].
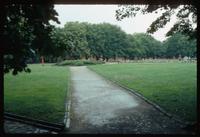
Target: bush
[{"x": 78, "y": 62}]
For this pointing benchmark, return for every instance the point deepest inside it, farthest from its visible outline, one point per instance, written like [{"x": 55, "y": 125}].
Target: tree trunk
[{"x": 97, "y": 58}]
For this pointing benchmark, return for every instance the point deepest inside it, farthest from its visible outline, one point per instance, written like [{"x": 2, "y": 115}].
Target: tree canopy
[
  {"x": 186, "y": 15},
  {"x": 82, "y": 40},
  {"x": 26, "y": 30},
  {"x": 179, "y": 45}
]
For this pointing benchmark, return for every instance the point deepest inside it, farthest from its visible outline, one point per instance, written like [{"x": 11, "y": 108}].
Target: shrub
[{"x": 78, "y": 62}]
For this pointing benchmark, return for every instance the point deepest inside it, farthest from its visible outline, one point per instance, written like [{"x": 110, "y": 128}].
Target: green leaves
[
  {"x": 184, "y": 12},
  {"x": 26, "y": 28},
  {"x": 84, "y": 40},
  {"x": 160, "y": 22},
  {"x": 144, "y": 46},
  {"x": 180, "y": 45},
  {"x": 105, "y": 41}
]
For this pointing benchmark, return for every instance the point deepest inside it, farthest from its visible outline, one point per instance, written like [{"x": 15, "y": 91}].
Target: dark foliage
[
  {"x": 186, "y": 14},
  {"x": 25, "y": 33}
]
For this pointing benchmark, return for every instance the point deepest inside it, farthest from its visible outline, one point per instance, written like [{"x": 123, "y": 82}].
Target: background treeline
[{"x": 82, "y": 40}]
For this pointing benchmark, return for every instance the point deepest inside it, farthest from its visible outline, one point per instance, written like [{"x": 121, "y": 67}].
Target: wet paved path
[
  {"x": 12, "y": 127},
  {"x": 98, "y": 106}
]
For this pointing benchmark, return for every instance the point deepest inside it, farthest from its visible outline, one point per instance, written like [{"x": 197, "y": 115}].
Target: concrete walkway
[
  {"x": 13, "y": 127},
  {"x": 98, "y": 106}
]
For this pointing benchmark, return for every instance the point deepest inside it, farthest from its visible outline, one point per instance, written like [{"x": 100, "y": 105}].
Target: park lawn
[
  {"x": 40, "y": 94},
  {"x": 173, "y": 86}
]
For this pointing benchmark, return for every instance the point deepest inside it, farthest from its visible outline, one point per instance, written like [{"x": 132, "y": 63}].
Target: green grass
[
  {"x": 39, "y": 94},
  {"x": 78, "y": 62},
  {"x": 173, "y": 86}
]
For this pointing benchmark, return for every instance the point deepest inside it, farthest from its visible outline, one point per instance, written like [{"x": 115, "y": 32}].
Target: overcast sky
[{"x": 106, "y": 13}]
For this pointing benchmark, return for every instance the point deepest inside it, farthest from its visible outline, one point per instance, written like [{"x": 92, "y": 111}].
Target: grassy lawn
[
  {"x": 39, "y": 94},
  {"x": 171, "y": 85}
]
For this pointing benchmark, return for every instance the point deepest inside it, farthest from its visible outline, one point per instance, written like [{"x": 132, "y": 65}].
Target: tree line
[
  {"x": 27, "y": 34},
  {"x": 82, "y": 40}
]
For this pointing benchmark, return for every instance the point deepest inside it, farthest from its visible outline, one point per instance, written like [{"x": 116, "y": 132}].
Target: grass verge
[{"x": 39, "y": 94}]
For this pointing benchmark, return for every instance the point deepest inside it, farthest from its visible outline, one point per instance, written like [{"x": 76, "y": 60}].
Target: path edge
[
  {"x": 68, "y": 104},
  {"x": 134, "y": 92}
]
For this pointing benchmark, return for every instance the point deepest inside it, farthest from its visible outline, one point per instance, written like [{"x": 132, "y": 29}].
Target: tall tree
[
  {"x": 96, "y": 40},
  {"x": 26, "y": 30},
  {"x": 59, "y": 42},
  {"x": 75, "y": 35},
  {"x": 115, "y": 41},
  {"x": 147, "y": 46},
  {"x": 179, "y": 45}
]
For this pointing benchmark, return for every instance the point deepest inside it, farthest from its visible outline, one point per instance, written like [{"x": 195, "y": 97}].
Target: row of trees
[
  {"x": 105, "y": 41},
  {"x": 27, "y": 32}
]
